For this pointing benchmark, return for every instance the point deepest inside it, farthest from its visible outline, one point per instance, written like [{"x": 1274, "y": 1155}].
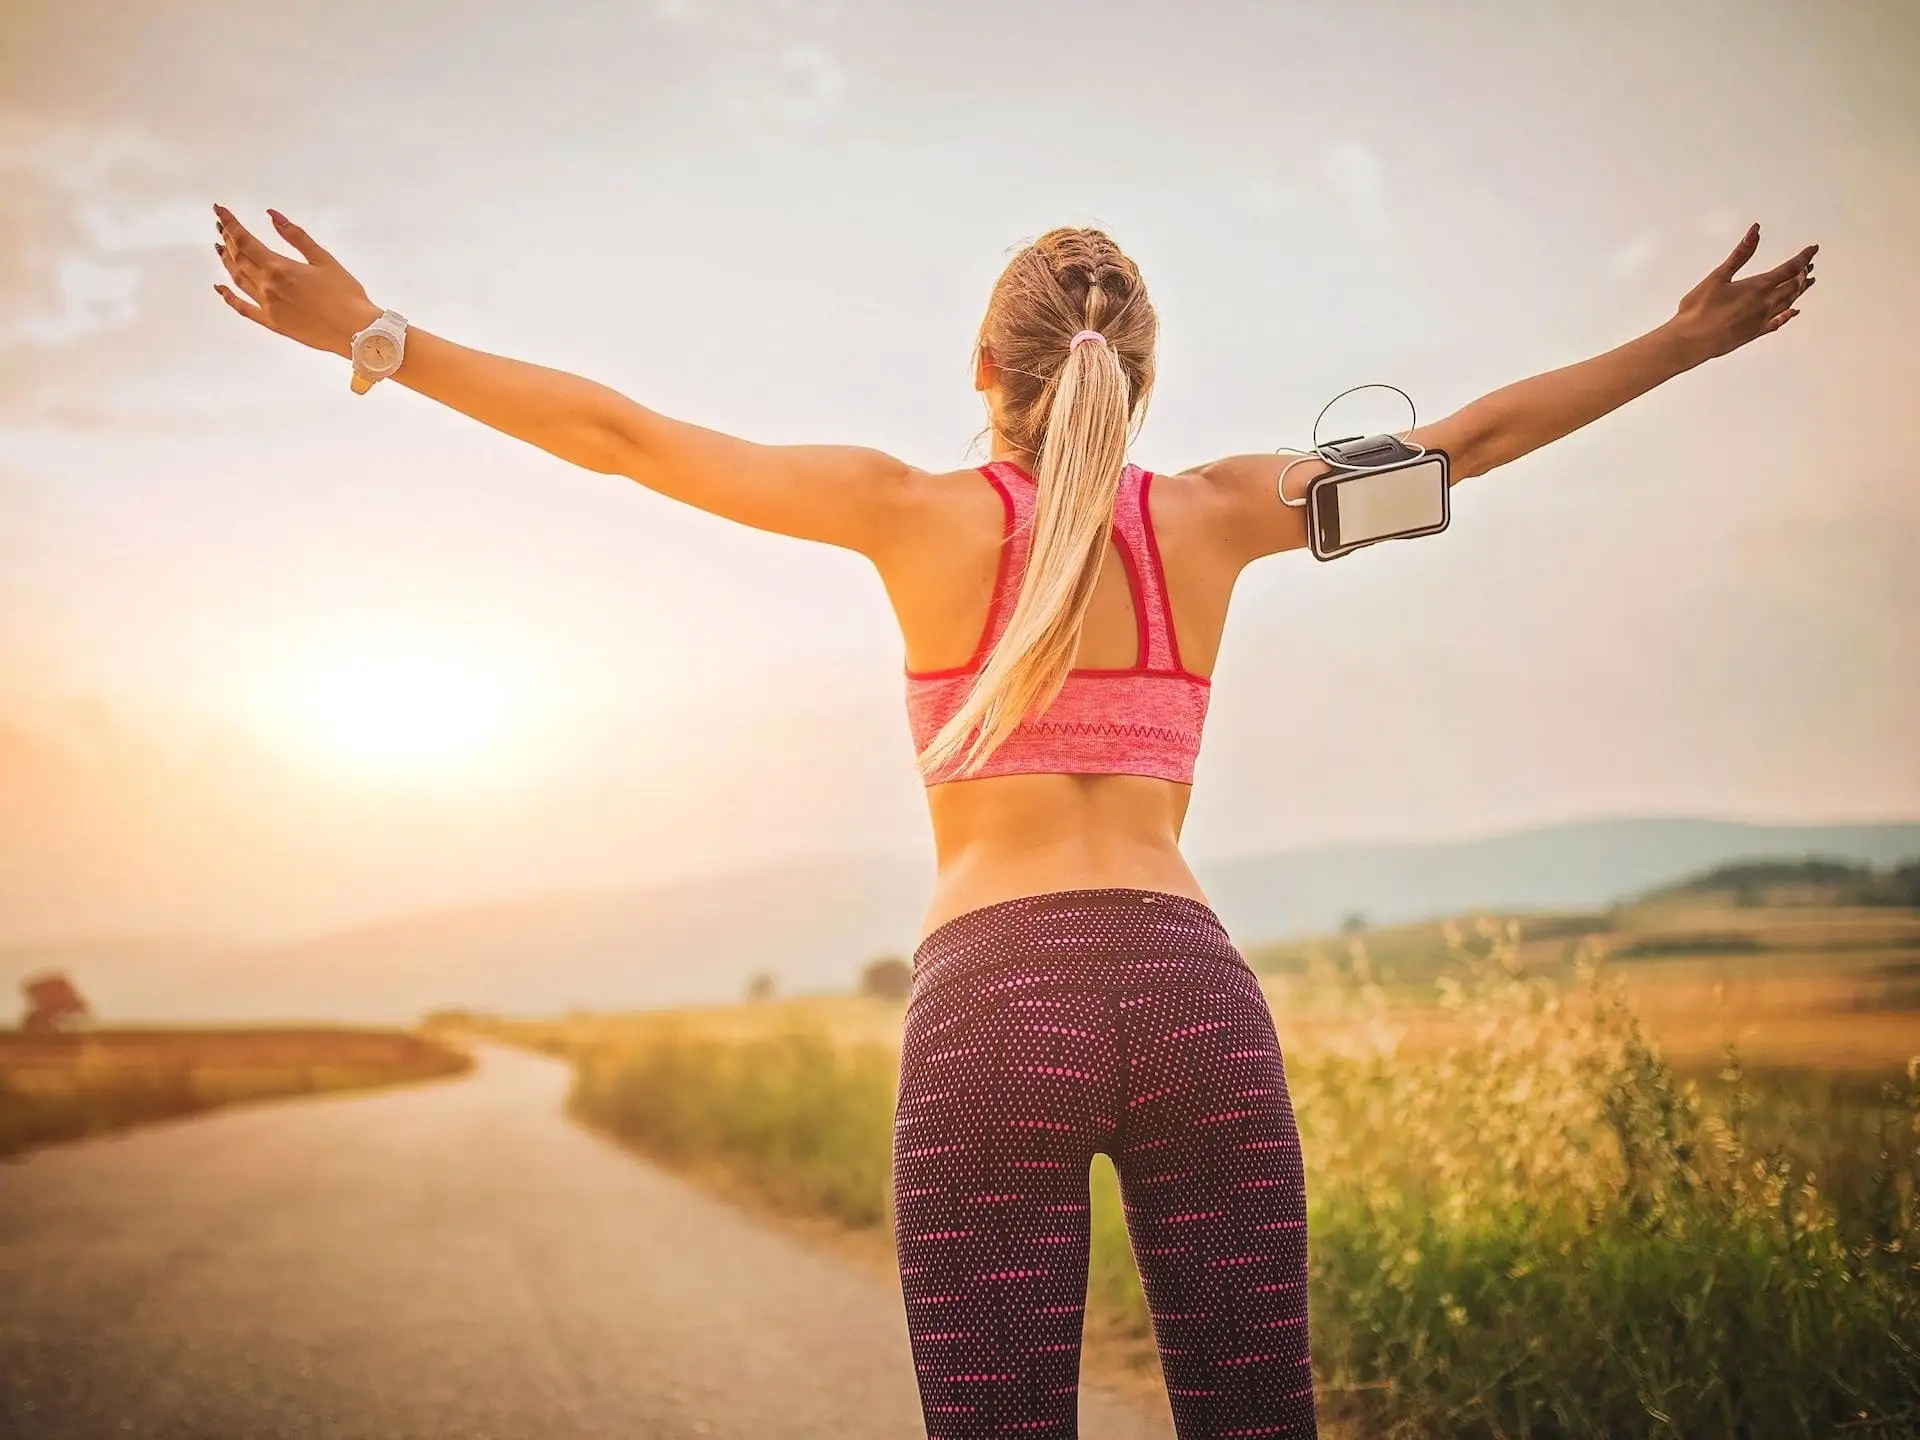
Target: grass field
[
  {"x": 1672, "y": 1194},
  {"x": 64, "y": 1086}
]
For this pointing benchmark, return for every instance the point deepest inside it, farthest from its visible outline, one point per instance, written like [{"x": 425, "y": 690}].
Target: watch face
[{"x": 378, "y": 352}]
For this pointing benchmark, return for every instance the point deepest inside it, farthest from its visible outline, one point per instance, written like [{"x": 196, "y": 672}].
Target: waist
[
  {"x": 1121, "y": 938},
  {"x": 1005, "y": 837}
]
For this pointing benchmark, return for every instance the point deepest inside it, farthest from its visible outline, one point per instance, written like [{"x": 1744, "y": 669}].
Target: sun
[{"x": 395, "y": 707}]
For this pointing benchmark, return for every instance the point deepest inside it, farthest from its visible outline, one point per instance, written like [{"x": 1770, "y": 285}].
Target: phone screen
[{"x": 1396, "y": 502}]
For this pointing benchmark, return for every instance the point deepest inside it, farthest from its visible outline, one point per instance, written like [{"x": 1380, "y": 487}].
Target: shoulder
[
  {"x": 941, "y": 507},
  {"x": 941, "y": 491},
  {"x": 1231, "y": 507}
]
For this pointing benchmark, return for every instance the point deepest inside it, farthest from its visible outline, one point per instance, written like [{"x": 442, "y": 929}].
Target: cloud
[
  {"x": 773, "y": 69},
  {"x": 103, "y": 259},
  {"x": 84, "y": 210},
  {"x": 1356, "y": 177},
  {"x": 1350, "y": 181},
  {"x": 1633, "y": 257},
  {"x": 1274, "y": 198}
]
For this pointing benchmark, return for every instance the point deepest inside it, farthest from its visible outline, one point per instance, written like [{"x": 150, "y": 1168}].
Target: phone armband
[{"x": 1388, "y": 490}]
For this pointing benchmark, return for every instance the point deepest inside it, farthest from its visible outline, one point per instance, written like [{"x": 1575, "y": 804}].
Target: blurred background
[{"x": 326, "y": 709}]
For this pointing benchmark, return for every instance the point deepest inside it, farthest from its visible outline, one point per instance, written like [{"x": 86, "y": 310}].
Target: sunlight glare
[{"x": 390, "y": 709}]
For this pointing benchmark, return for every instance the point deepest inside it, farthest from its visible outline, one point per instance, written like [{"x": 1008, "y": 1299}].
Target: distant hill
[
  {"x": 1562, "y": 867},
  {"x": 813, "y": 925},
  {"x": 1813, "y": 881}
]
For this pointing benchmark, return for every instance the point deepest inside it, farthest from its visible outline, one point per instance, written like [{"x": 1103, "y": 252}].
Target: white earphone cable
[{"x": 1319, "y": 451}]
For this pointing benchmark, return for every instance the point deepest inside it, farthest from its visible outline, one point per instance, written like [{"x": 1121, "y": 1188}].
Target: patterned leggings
[{"x": 1041, "y": 1031}]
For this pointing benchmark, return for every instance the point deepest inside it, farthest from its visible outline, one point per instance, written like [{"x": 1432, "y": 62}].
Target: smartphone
[{"x": 1397, "y": 500}]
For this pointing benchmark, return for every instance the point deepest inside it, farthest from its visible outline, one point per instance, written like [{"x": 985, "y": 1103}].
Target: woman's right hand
[{"x": 1721, "y": 314}]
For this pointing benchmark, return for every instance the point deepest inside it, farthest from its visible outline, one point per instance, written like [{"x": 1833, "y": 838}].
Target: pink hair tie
[{"x": 1083, "y": 337}]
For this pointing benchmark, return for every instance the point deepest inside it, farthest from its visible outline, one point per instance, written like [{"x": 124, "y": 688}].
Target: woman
[{"x": 1073, "y": 992}]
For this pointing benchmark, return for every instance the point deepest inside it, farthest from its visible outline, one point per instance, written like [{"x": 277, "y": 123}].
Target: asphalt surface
[{"x": 452, "y": 1259}]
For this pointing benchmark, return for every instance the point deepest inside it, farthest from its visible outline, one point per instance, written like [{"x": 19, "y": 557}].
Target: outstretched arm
[
  {"x": 841, "y": 495},
  {"x": 1718, "y": 315}
]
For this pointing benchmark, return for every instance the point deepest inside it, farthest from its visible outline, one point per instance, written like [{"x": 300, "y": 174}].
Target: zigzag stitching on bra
[{"x": 1119, "y": 730}]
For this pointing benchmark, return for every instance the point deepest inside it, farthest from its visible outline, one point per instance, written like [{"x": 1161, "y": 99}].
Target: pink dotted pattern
[{"x": 1044, "y": 1030}]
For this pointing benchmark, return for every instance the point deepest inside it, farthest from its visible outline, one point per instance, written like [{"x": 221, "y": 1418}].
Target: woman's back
[{"x": 1154, "y": 623}]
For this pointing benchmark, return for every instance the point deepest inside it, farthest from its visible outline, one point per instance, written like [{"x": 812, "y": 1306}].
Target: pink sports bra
[{"x": 1143, "y": 720}]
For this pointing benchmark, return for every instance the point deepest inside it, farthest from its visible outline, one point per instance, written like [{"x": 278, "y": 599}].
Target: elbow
[
  {"x": 1487, "y": 447},
  {"x": 603, "y": 444}
]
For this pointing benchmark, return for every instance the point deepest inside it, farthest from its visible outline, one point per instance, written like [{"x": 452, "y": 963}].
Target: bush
[
  {"x": 805, "y": 1121},
  {"x": 888, "y": 978}
]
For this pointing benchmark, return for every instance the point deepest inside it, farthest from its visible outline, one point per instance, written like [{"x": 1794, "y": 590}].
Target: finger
[
  {"x": 1742, "y": 253},
  {"x": 310, "y": 249},
  {"x": 1782, "y": 318},
  {"x": 243, "y": 242},
  {"x": 1786, "y": 287},
  {"x": 234, "y": 302},
  {"x": 1793, "y": 264},
  {"x": 243, "y": 276}
]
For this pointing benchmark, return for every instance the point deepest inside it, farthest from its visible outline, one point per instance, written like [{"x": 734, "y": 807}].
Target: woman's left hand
[
  {"x": 313, "y": 300},
  {"x": 1721, "y": 313}
]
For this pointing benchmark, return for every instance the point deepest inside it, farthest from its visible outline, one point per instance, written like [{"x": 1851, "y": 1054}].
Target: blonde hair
[{"x": 1076, "y": 407}]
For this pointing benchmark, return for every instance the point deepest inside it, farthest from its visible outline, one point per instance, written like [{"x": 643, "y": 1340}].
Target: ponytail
[{"x": 1082, "y": 451}]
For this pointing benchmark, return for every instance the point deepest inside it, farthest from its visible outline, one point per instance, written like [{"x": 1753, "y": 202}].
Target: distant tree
[
  {"x": 1355, "y": 923},
  {"x": 887, "y": 978},
  {"x": 1751, "y": 883},
  {"x": 761, "y": 987},
  {"x": 53, "y": 1003},
  {"x": 1899, "y": 886},
  {"x": 454, "y": 1018}
]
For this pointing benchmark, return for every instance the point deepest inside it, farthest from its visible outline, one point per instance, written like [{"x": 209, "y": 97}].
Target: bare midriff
[{"x": 1010, "y": 836}]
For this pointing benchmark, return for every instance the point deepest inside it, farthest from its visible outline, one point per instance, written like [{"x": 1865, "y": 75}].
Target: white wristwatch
[{"x": 378, "y": 350}]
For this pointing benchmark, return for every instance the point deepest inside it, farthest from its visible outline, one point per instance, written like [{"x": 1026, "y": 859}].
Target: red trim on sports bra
[
  {"x": 1160, "y": 569},
  {"x": 1143, "y": 645},
  {"x": 994, "y": 600},
  {"x": 997, "y": 599},
  {"x": 1132, "y": 672}
]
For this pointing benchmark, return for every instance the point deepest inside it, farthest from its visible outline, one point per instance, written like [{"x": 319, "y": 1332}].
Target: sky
[{"x": 274, "y": 657}]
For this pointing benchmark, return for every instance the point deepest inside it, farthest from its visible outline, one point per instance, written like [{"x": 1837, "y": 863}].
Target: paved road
[{"x": 454, "y": 1259}]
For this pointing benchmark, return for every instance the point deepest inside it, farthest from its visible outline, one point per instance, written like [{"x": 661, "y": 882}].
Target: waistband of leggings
[{"x": 975, "y": 938}]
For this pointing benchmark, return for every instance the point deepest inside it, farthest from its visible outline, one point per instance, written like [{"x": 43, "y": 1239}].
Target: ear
[{"x": 984, "y": 378}]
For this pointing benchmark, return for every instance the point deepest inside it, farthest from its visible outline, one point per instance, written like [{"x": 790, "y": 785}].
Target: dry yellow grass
[
  {"x": 61, "y": 1086},
  {"x": 1794, "y": 987}
]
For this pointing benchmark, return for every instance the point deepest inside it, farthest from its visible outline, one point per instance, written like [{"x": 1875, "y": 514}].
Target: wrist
[
  {"x": 365, "y": 312},
  {"x": 1681, "y": 346},
  {"x": 378, "y": 350}
]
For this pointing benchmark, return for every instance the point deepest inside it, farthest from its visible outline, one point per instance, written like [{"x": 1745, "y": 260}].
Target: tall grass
[
  {"x": 802, "y": 1119},
  {"x": 1535, "y": 1228},
  {"x": 1542, "y": 1230}
]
